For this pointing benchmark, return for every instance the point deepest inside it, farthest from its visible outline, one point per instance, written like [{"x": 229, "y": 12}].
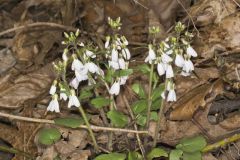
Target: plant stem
[
  {"x": 149, "y": 96},
  {"x": 15, "y": 151},
  {"x": 89, "y": 128},
  {"x": 110, "y": 136},
  {"x": 160, "y": 114}
]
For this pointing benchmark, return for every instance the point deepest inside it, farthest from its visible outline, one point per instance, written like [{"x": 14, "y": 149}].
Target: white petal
[
  {"x": 151, "y": 56},
  {"x": 166, "y": 58},
  {"x": 114, "y": 55},
  {"x": 52, "y": 90},
  {"x": 107, "y": 42},
  {"x": 169, "y": 85},
  {"x": 81, "y": 44},
  {"x": 77, "y": 65},
  {"x": 73, "y": 101},
  {"x": 191, "y": 51},
  {"x": 91, "y": 67},
  {"x": 74, "y": 83},
  {"x": 188, "y": 66},
  {"x": 185, "y": 74},
  {"x": 90, "y": 54},
  {"x": 114, "y": 65},
  {"x": 63, "y": 96},
  {"x": 179, "y": 60},
  {"x": 81, "y": 75},
  {"x": 64, "y": 57},
  {"x": 160, "y": 69},
  {"x": 171, "y": 96},
  {"x": 169, "y": 72},
  {"x": 126, "y": 53},
  {"x": 163, "y": 95},
  {"x": 169, "y": 52},
  {"x": 123, "y": 80},
  {"x": 115, "y": 89},
  {"x": 122, "y": 63},
  {"x": 53, "y": 106}
]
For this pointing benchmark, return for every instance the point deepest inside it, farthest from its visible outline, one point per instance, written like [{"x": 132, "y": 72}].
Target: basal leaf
[
  {"x": 69, "y": 122},
  {"x": 134, "y": 156},
  {"x": 156, "y": 152},
  {"x": 192, "y": 156},
  {"x": 117, "y": 118},
  {"x": 141, "y": 120},
  {"x": 138, "y": 89},
  {"x": 124, "y": 72},
  {"x": 48, "y": 136},
  {"x": 100, "y": 102},
  {"x": 139, "y": 106},
  {"x": 193, "y": 144},
  {"x": 157, "y": 92},
  {"x": 111, "y": 156},
  {"x": 175, "y": 154}
]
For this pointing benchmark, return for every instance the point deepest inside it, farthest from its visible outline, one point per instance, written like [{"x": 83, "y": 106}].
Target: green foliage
[
  {"x": 191, "y": 145},
  {"x": 69, "y": 122},
  {"x": 48, "y": 136},
  {"x": 144, "y": 68},
  {"x": 192, "y": 156},
  {"x": 141, "y": 120},
  {"x": 111, "y": 156},
  {"x": 124, "y": 72},
  {"x": 156, "y": 94},
  {"x": 157, "y": 152},
  {"x": 139, "y": 106},
  {"x": 175, "y": 154},
  {"x": 100, "y": 102},
  {"x": 117, "y": 118},
  {"x": 138, "y": 89},
  {"x": 134, "y": 156}
]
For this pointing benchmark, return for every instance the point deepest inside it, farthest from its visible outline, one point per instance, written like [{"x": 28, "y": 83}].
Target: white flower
[
  {"x": 53, "y": 88},
  {"x": 81, "y": 44},
  {"x": 163, "y": 95},
  {"x": 107, "y": 42},
  {"x": 188, "y": 66},
  {"x": 73, "y": 100},
  {"x": 74, "y": 83},
  {"x": 191, "y": 52},
  {"x": 63, "y": 96},
  {"x": 122, "y": 63},
  {"x": 113, "y": 64},
  {"x": 151, "y": 55},
  {"x": 185, "y": 74},
  {"x": 169, "y": 71},
  {"x": 119, "y": 43},
  {"x": 53, "y": 105},
  {"x": 81, "y": 75},
  {"x": 90, "y": 54},
  {"x": 169, "y": 85},
  {"x": 124, "y": 40},
  {"x": 115, "y": 89},
  {"x": 170, "y": 51},
  {"x": 91, "y": 67},
  {"x": 77, "y": 64},
  {"x": 126, "y": 53},
  {"x": 160, "y": 69},
  {"x": 171, "y": 96},
  {"x": 179, "y": 60},
  {"x": 114, "y": 55},
  {"x": 123, "y": 80},
  {"x": 166, "y": 58}
]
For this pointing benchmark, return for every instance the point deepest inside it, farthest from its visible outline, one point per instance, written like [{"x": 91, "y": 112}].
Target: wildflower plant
[{"x": 94, "y": 67}]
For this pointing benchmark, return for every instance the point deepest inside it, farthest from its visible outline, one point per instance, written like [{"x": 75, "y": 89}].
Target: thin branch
[
  {"x": 93, "y": 127},
  {"x": 135, "y": 125}
]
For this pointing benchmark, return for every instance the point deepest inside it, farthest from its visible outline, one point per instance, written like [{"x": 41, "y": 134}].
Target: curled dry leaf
[
  {"x": 231, "y": 123},
  {"x": 24, "y": 87},
  {"x": 188, "y": 104}
]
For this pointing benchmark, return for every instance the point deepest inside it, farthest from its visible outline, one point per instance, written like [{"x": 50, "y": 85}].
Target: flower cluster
[
  {"x": 118, "y": 56},
  {"x": 170, "y": 54}
]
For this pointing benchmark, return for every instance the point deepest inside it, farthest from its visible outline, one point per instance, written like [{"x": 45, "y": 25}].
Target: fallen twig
[{"x": 93, "y": 127}]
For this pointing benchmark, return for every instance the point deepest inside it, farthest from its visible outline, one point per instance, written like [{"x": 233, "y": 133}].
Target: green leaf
[
  {"x": 154, "y": 116},
  {"x": 157, "y": 92},
  {"x": 144, "y": 68},
  {"x": 157, "y": 152},
  {"x": 69, "y": 122},
  {"x": 85, "y": 94},
  {"x": 134, "y": 156},
  {"x": 139, "y": 106},
  {"x": 100, "y": 102},
  {"x": 138, "y": 89},
  {"x": 109, "y": 75},
  {"x": 192, "y": 144},
  {"x": 48, "y": 136},
  {"x": 192, "y": 156},
  {"x": 175, "y": 154},
  {"x": 118, "y": 119},
  {"x": 111, "y": 156},
  {"x": 124, "y": 72},
  {"x": 156, "y": 104},
  {"x": 141, "y": 120}
]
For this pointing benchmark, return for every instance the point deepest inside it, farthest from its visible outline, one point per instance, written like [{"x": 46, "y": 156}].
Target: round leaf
[
  {"x": 118, "y": 119},
  {"x": 192, "y": 156},
  {"x": 69, "y": 122},
  {"x": 175, "y": 154},
  {"x": 139, "y": 106},
  {"x": 134, "y": 156},
  {"x": 157, "y": 152},
  {"x": 48, "y": 136},
  {"x": 111, "y": 156},
  {"x": 138, "y": 89},
  {"x": 100, "y": 102},
  {"x": 192, "y": 144}
]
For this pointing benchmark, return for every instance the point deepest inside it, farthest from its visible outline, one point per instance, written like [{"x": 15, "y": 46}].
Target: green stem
[
  {"x": 149, "y": 96},
  {"x": 160, "y": 114},
  {"x": 110, "y": 137},
  {"x": 15, "y": 151},
  {"x": 89, "y": 128},
  {"x": 221, "y": 143}
]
